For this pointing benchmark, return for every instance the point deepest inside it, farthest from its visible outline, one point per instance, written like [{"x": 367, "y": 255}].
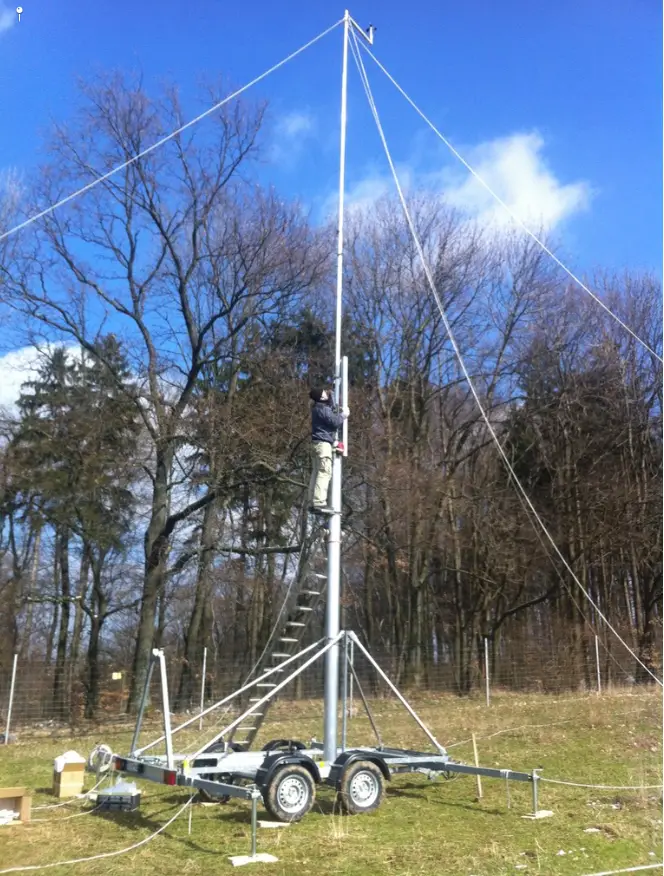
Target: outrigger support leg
[{"x": 141, "y": 708}]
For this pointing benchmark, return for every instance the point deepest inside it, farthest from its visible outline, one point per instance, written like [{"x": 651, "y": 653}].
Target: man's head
[{"x": 319, "y": 394}]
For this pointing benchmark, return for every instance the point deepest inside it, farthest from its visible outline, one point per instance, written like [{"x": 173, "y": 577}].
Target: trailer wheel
[
  {"x": 284, "y": 745},
  {"x": 290, "y": 793},
  {"x": 205, "y": 797},
  {"x": 362, "y": 788}
]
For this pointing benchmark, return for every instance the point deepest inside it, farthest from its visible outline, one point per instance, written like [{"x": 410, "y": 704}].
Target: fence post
[
  {"x": 599, "y": 675},
  {"x": 487, "y": 681},
  {"x": 200, "y": 723},
  {"x": 11, "y": 699},
  {"x": 477, "y": 764}
]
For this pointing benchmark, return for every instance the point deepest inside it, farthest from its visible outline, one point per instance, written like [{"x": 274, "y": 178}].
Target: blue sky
[
  {"x": 586, "y": 77},
  {"x": 559, "y": 104}
]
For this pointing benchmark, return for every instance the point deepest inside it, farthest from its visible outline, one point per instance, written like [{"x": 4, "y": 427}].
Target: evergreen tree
[{"x": 77, "y": 430}]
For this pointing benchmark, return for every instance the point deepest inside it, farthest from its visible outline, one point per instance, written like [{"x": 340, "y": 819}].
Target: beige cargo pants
[{"x": 321, "y": 472}]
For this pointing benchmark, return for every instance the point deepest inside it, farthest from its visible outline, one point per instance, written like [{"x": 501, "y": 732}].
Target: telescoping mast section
[
  {"x": 285, "y": 772},
  {"x": 332, "y": 609}
]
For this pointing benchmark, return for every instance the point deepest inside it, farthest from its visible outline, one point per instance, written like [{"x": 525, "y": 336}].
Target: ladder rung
[
  {"x": 280, "y": 656},
  {"x": 255, "y": 699},
  {"x": 304, "y": 608},
  {"x": 311, "y": 592},
  {"x": 319, "y": 575},
  {"x": 248, "y": 729},
  {"x": 266, "y": 684},
  {"x": 295, "y": 624},
  {"x": 286, "y": 639}
]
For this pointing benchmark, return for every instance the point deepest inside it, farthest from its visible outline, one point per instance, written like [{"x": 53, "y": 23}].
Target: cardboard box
[
  {"x": 68, "y": 774},
  {"x": 17, "y": 800},
  {"x": 68, "y": 782}
]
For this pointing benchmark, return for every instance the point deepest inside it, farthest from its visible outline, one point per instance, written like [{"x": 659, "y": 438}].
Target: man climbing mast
[{"x": 325, "y": 422}]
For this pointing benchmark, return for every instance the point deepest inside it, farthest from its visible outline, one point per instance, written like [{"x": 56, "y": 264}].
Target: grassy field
[{"x": 422, "y": 827}]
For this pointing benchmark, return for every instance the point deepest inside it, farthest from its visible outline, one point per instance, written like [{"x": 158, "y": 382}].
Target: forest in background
[{"x": 154, "y": 473}]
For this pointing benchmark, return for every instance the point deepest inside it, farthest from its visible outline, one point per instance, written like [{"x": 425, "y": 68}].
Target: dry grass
[{"x": 423, "y": 827}]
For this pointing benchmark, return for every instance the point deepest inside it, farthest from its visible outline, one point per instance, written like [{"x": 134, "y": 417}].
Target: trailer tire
[
  {"x": 290, "y": 793},
  {"x": 204, "y": 797},
  {"x": 362, "y": 788},
  {"x": 284, "y": 745}
]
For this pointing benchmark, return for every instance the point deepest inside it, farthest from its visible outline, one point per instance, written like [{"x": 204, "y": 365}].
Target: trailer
[{"x": 285, "y": 773}]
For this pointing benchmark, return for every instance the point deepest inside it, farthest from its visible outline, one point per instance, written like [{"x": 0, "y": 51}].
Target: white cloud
[
  {"x": 8, "y": 18},
  {"x": 517, "y": 172},
  {"x": 514, "y": 167},
  {"x": 11, "y": 192},
  {"x": 15, "y": 369},
  {"x": 295, "y": 124},
  {"x": 291, "y": 132},
  {"x": 362, "y": 195}
]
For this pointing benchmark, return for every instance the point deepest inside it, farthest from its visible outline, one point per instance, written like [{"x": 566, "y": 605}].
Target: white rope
[
  {"x": 457, "y": 351},
  {"x": 569, "y": 592},
  {"x": 168, "y": 137},
  {"x": 508, "y": 730},
  {"x": 524, "y": 727},
  {"x": 604, "y": 787},
  {"x": 509, "y": 210},
  {"x": 72, "y": 800},
  {"x": 627, "y": 870},
  {"x": 102, "y": 854},
  {"x": 66, "y": 817}
]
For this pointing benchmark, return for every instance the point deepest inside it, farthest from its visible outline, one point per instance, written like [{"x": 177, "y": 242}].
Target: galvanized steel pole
[{"x": 331, "y": 692}]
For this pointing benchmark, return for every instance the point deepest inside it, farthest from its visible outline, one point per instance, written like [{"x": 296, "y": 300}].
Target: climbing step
[{"x": 306, "y": 592}]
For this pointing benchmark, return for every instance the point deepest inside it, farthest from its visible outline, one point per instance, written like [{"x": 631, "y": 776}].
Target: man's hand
[{"x": 345, "y": 413}]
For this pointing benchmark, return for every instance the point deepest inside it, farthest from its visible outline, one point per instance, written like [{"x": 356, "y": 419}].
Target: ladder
[{"x": 306, "y": 594}]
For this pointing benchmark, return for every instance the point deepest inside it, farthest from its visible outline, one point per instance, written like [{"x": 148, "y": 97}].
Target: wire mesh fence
[{"x": 45, "y": 700}]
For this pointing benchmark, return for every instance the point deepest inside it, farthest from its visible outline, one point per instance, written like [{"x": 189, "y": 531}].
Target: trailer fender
[
  {"x": 275, "y": 761},
  {"x": 347, "y": 758},
  {"x": 284, "y": 745}
]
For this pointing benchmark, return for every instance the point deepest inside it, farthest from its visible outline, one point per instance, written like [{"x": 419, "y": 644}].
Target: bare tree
[{"x": 178, "y": 252}]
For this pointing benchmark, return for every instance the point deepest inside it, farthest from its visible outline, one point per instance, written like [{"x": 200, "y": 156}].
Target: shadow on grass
[
  {"x": 327, "y": 806},
  {"x": 408, "y": 791},
  {"x": 48, "y": 792},
  {"x": 138, "y": 820}
]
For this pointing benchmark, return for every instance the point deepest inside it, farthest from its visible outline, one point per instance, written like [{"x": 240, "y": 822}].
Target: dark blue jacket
[{"x": 324, "y": 423}]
